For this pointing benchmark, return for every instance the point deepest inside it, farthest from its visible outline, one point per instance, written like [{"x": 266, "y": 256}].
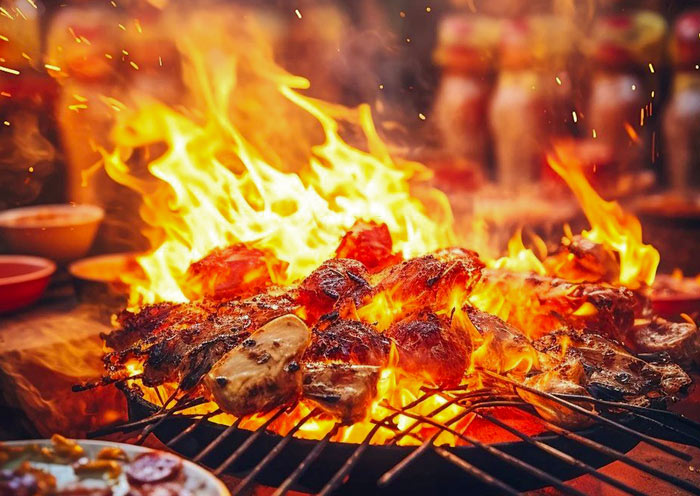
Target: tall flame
[
  {"x": 239, "y": 169},
  {"x": 611, "y": 226}
]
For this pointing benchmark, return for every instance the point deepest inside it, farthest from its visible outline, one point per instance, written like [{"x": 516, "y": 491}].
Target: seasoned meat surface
[
  {"x": 428, "y": 346},
  {"x": 437, "y": 282},
  {"x": 184, "y": 349},
  {"x": 341, "y": 389},
  {"x": 505, "y": 347},
  {"x": 234, "y": 271},
  {"x": 333, "y": 284},
  {"x": 681, "y": 340},
  {"x": 348, "y": 341},
  {"x": 264, "y": 371},
  {"x": 369, "y": 243},
  {"x": 611, "y": 371}
]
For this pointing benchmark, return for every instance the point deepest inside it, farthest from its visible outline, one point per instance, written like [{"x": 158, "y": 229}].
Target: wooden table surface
[{"x": 47, "y": 349}]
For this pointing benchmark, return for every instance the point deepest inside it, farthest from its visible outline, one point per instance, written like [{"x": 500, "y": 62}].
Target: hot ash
[{"x": 291, "y": 268}]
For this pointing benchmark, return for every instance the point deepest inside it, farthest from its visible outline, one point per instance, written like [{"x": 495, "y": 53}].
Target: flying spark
[
  {"x": 557, "y": 80},
  {"x": 421, "y": 116},
  {"x": 52, "y": 67},
  {"x": 8, "y": 70},
  {"x": 573, "y": 113},
  {"x": 651, "y": 68},
  {"x": 296, "y": 11}
]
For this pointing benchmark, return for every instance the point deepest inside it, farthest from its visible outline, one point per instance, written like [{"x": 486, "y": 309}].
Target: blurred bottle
[
  {"x": 465, "y": 52},
  {"x": 84, "y": 53},
  {"x": 531, "y": 105},
  {"x": 682, "y": 118},
  {"x": 623, "y": 49},
  {"x": 27, "y": 95}
]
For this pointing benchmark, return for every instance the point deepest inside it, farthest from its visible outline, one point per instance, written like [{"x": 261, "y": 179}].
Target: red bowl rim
[{"x": 44, "y": 268}]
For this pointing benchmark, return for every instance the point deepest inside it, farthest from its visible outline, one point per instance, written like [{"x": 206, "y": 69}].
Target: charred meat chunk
[
  {"x": 432, "y": 281},
  {"x": 503, "y": 347},
  {"x": 611, "y": 371},
  {"x": 581, "y": 259},
  {"x": 348, "y": 341},
  {"x": 186, "y": 349},
  {"x": 263, "y": 372},
  {"x": 335, "y": 282},
  {"x": 343, "y": 390},
  {"x": 369, "y": 243},
  {"x": 428, "y": 346},
  {"x": 680, "y": 340},
  {"x": 234, "y": 271}
]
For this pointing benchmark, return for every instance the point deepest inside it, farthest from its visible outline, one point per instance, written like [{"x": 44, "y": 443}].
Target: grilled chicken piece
[
  {"x": 581, "y": 259},
  {"x": 436, "y": 282},
  {"x": 348, "y": 341},
  {"x": 264, "y": 371},
  {"x": 565, "y": 379},
  {"x": 428, "y": 346},
  {"x": 234, "y": 271},
  {"x": 611, "y": 371},
  {"x": 334, "y": 283},
  {"x": 343, "y": 390},
  {"x": 369, "y": 243},
  {"x": 505, "y": 348},
  {"x": 543, "y": 304},
  {"x": 680, "y": 340},
  {"x": 185, "y": 348}
]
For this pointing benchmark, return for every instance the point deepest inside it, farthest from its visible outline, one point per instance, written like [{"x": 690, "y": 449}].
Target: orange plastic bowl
[{"x": 23, "y": 280}]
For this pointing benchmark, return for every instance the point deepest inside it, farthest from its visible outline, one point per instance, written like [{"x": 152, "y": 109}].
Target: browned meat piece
[
  {"x": 369, "y": 243},
  {"x": 264, "y": 371},
  {"x": 566, "y": 379},
  {"x": 503, "y": 347},
  {"x": 334, "y": 283},
  {"x": 680, "y": 340},
  {"x": 581, "y": 259},
  {"x": 542, "y": 304},
  {"x": 428, "y": 346},
  {"x": 187, "y": 349},
  {"x": 343, "y": 390},
  {"x": 348, "y": 341},
  {"x": 439, "y": 282},
  {"x": 234, "y": 271},
  {"x": 611, "y": 371},
  {"x": 150, "y": 320}
]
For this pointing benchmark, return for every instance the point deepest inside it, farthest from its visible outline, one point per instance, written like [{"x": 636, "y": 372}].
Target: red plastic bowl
[{"x": 23, "y": 280}]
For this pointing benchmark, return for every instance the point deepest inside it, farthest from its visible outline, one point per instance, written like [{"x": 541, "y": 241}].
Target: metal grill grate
[{"x": 501, "y": 468}]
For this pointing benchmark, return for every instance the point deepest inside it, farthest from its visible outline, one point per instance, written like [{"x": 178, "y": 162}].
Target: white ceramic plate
[{"x": 197, "y": 480}]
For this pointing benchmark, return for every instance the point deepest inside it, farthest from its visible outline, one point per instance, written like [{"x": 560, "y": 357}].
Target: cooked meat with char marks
[
  {"x": 348, "y": 341},
  {"x": 264, "y": 371},
  {"x": 234, "y": 271},
  {"x": 582, "y": 260},
  {"x": 430, "y": 281},
  {"x": 186, "y": 350},
  {"x": 428, "y": 346},
  {"x": 369, "y": 243},
  {"x": 343, "y": 390},
  {"x": 553, "y": 302},
  {"x": 334, "y": 283},
  {"x": 681, "y": 340},
  {"x": 506, "y": 348},
  {"x": 151, "y": 319},
  {"x": 611, "y": 371}
]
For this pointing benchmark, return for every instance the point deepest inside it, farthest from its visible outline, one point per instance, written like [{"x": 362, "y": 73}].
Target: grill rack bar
[{"x": 471, "y": 402}]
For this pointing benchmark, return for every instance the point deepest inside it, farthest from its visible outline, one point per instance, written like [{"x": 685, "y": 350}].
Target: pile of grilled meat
[{"x": 252, "y": 346}]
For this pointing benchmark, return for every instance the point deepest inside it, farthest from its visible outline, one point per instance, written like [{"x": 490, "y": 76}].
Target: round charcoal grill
[{"x": 325, "y": 467}]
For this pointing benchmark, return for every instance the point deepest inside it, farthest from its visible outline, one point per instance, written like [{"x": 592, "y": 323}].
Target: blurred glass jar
[
  {"x": 682, "y": 117},
  {"x": 465, "y": 51},
  {"x": 532, "y": 101},
  {"x": 621, "y": 49}
]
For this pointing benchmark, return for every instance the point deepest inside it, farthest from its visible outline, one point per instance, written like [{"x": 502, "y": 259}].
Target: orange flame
[
  {"x": 611, "y": 226},
  {"x": 232, "y": 172}
]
